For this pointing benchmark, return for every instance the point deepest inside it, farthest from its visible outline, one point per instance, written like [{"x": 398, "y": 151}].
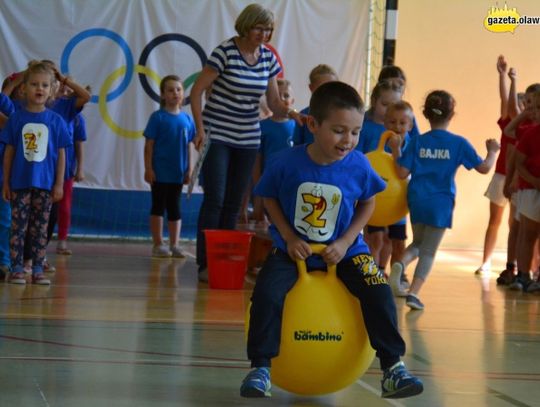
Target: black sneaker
[
  {"x": 506, "y": 277},
  {"x": 521, "y": 282}
]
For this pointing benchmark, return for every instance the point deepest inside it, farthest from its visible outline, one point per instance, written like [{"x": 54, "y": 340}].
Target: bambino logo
[
  {"x": 317, "y": 336},
  {"x": 501, "y": 20}
]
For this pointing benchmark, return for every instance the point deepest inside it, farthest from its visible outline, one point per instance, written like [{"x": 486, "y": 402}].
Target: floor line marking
[{"x": 375, "y": 391}]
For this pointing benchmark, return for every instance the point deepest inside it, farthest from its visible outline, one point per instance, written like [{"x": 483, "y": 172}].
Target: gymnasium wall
[{"x": 444, "y": 45}]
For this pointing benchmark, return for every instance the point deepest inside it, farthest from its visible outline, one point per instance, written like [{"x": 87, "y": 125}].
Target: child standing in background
[
  {"x": 495, "y": 189},
  {"x": 432, "y": 160},
  {"x": 74, "y": 173},
  {"x": 320, "y": 74},
  {"x": 527, "y": 160},
  {"x": 396, "y": 75},
  {"x": 516, "y": 129},
  {"x": 384, "y": 94},
  {"x": 6, "y": 109},
  {"x": 34, "y": 164},
  {"x": 399, "y": 119},
  {"x": 167, "y": 160},
  {"x": 276, "y": 135}
]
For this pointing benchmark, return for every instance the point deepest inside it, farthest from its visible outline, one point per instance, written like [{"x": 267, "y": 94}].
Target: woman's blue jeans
[{"x": 226, "y": 174}]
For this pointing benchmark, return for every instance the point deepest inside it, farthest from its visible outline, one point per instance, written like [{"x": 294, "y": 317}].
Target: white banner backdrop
[{"x": 122, "y": 47}]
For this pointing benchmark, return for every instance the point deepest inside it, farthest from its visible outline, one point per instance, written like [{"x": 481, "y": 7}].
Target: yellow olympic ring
[{"x": 102, "y": 103}]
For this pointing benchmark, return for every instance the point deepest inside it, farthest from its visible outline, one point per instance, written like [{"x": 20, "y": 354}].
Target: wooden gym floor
[{"x": 117, "y": 328}]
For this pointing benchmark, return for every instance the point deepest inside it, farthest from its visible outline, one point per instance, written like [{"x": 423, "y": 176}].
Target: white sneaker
[
  {"x": 177, "y": 252},
  {"x": 394, "y": 280},
  {"x": 161, "y": 251}
]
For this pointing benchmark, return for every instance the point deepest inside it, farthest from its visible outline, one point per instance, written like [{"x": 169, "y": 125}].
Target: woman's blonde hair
[{"x": 251, "y": 16}]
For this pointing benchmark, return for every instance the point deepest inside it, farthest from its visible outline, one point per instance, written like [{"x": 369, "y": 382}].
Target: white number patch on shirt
[
  {"x": 35, "y": 138},
  {"x": 316, "y": 212}
]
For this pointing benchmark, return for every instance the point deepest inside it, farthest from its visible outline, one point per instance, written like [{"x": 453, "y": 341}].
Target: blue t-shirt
[
  {"x": 66, "y": 107},
  {"x": 433, "y": 159},
  {"x": 275, "y": 136},
  {"x": 36, "y": 137},
  {"x": 171, "y": 134},
  {"x": 302, "y": 135},
  {"x": 318, "y": 201},
  {"x": 77, "y": 129}
]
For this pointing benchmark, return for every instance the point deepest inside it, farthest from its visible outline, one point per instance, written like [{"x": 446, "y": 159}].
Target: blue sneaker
[
  {"x": 398, "y": 383},
  {"x": 256, "y": 383}
]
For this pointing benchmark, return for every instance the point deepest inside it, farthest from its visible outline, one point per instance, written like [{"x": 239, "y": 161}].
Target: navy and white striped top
[{"x": 233, "y": 107}]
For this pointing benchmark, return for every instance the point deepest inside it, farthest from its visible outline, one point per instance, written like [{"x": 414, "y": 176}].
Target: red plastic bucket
[{"x": 227, "y": 253}]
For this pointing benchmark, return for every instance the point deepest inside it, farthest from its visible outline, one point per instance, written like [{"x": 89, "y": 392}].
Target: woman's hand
[{"x": 199, "y": 139}]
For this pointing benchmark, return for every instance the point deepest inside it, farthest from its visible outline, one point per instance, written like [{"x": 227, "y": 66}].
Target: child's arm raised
[
  {"x": 81, "y": 94},
  {"x": 513, "y": 106},
  {"x": 492, "y": 146},
  {"x": 296, "y": 247},
  {"x": 503, "y": 92},
  {"x": 334, "y": 252}
]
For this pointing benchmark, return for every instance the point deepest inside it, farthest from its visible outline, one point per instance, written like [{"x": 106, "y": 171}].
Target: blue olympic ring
[
  {"x": 160, "y": 40},
  {"x": 130, "y": 67},
  {"x": 101, "y": 32}
]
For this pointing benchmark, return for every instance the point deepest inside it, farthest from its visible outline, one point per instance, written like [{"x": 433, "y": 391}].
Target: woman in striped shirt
[{"x": 239, "y": 72}]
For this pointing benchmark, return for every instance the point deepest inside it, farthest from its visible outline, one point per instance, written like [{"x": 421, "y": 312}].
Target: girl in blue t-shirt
[
  {"x": 34, "y": 165},
  {"x": 432, "y": 160},
  {"x": 166, "y": 164}
]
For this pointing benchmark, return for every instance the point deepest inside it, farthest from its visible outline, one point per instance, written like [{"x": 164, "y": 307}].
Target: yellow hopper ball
[
  {"x": 324, "y": 343},
  {"x": 390, "y": 204}
]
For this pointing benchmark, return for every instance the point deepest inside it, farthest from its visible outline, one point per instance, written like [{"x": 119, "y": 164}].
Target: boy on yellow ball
[{"x": 323, "y": 192}]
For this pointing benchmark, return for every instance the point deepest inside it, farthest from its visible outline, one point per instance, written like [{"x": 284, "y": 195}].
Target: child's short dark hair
[
  {"x": 174, "y": 78},
  {"x": 333, "y": 95},
  {"x": 439, "y": 106},
  {"x": 390, "y": 72}
]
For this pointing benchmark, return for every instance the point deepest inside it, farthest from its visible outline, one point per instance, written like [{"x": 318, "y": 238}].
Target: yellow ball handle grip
[{"x": 316, "y": 248}]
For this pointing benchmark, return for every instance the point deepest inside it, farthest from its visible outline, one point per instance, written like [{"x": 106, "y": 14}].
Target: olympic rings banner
[{"x": 122, "y": 48}]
